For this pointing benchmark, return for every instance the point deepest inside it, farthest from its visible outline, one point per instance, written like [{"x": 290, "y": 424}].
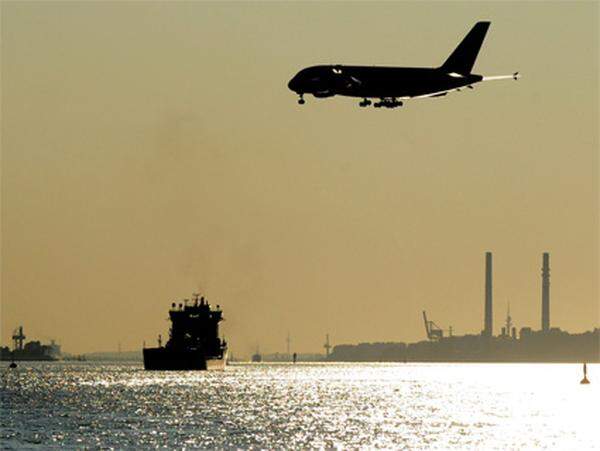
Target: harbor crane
[
  {"x": 18, "y": 338},
  {"x": 434, "y": 332}
]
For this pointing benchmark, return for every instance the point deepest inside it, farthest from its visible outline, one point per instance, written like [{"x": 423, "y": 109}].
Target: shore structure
[
  {"x": 549, "y": 344},
  {"x": 32, "y": 350}
]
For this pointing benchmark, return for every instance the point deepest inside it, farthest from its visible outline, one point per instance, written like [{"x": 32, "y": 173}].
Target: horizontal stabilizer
[{"x": 514, "y": 76}]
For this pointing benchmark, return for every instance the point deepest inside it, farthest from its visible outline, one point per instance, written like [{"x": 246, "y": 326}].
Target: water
[{"x": 443, "y": 406}]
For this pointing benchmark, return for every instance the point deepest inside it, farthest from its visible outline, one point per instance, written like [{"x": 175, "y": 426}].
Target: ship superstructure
[{"x": 194, "y": 342}]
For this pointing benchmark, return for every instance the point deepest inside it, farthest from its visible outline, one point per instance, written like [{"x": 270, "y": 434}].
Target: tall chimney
[
  {"x": 488, "y": 327},
  {"x": 546, "y": 292}
]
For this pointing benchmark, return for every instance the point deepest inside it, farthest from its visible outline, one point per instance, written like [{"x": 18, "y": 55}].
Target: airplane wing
[
  {"x": 514, "y": 76},
  {"x": 432, "y": 94}
]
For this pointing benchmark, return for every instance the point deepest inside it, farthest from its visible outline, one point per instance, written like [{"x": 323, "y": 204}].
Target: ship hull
[{"x": 165, "y": 359}]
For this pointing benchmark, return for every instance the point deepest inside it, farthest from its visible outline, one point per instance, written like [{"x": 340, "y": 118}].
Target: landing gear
[
  {"x": 388, "y": 103},
  {"x": 301, "y": 100},
  {"x": 364, "y": 103}
]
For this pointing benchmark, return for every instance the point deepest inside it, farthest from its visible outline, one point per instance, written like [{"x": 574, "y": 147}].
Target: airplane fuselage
[
  {"x": 392, "y": 85},
  {"x": 377, "y": 81}
]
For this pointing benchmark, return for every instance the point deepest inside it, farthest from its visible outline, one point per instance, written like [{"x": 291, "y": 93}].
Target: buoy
[{"x": 585, "y": 379}]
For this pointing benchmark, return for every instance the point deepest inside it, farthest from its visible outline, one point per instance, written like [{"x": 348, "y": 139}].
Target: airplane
[{"x": 392, "y": 85}]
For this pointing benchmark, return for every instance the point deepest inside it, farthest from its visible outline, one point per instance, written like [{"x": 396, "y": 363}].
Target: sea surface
[{"x": 345, "y": 405}]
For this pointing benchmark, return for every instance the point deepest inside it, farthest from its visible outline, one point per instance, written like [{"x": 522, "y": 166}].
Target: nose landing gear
[{"x": 301, "y": 100}]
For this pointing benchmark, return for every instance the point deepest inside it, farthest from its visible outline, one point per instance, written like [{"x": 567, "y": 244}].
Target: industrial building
[{"x": 549, "y": 344}]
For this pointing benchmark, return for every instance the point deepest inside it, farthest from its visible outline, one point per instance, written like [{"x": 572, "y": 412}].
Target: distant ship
[
  {"x": 32, "y": 350},
  {"x": 194, "y": 342},
  {"x": 256, "y": 357},
  {"x": 75, "y": 358}
]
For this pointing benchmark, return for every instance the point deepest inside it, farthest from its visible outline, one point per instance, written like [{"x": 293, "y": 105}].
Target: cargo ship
[
  {"x": 194, "y": 342},
  {"x": 257, "y": 357},
  {"x": 32, "y": 350}
]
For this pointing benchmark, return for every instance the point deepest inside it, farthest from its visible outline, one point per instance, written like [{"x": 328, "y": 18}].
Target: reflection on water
[{"x": 502, "y": 406}]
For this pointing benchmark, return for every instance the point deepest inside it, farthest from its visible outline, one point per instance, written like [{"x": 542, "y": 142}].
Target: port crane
[
  {"x": 18, "y": 338},
  {"x": 434, "y": 332}
]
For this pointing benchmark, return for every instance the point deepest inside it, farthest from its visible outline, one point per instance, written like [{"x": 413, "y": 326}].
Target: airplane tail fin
[{"x": 463, "y": 57}]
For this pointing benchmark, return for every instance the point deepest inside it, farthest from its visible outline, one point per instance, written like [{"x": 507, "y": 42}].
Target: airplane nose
[{"x": 293, "y": 84}]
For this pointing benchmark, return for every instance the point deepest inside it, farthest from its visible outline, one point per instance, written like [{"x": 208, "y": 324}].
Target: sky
[{"x": 152, "y": 149}]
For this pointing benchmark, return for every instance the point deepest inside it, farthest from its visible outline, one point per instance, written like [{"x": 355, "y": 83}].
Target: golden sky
[{"x": 150, "y": 150}]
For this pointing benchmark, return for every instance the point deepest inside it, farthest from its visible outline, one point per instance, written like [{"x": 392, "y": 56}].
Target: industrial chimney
[
  {"x": 546, "y": 292},
  {"x": 488, "y": 327}
]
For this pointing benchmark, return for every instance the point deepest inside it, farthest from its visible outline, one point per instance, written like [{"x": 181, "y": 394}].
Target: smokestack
[
  {"x": 546, "y": 292},
  {"x": 488, "y": 327}
]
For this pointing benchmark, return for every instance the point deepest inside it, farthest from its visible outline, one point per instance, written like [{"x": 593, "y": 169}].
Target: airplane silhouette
[{"x": 392, "y": 85}]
